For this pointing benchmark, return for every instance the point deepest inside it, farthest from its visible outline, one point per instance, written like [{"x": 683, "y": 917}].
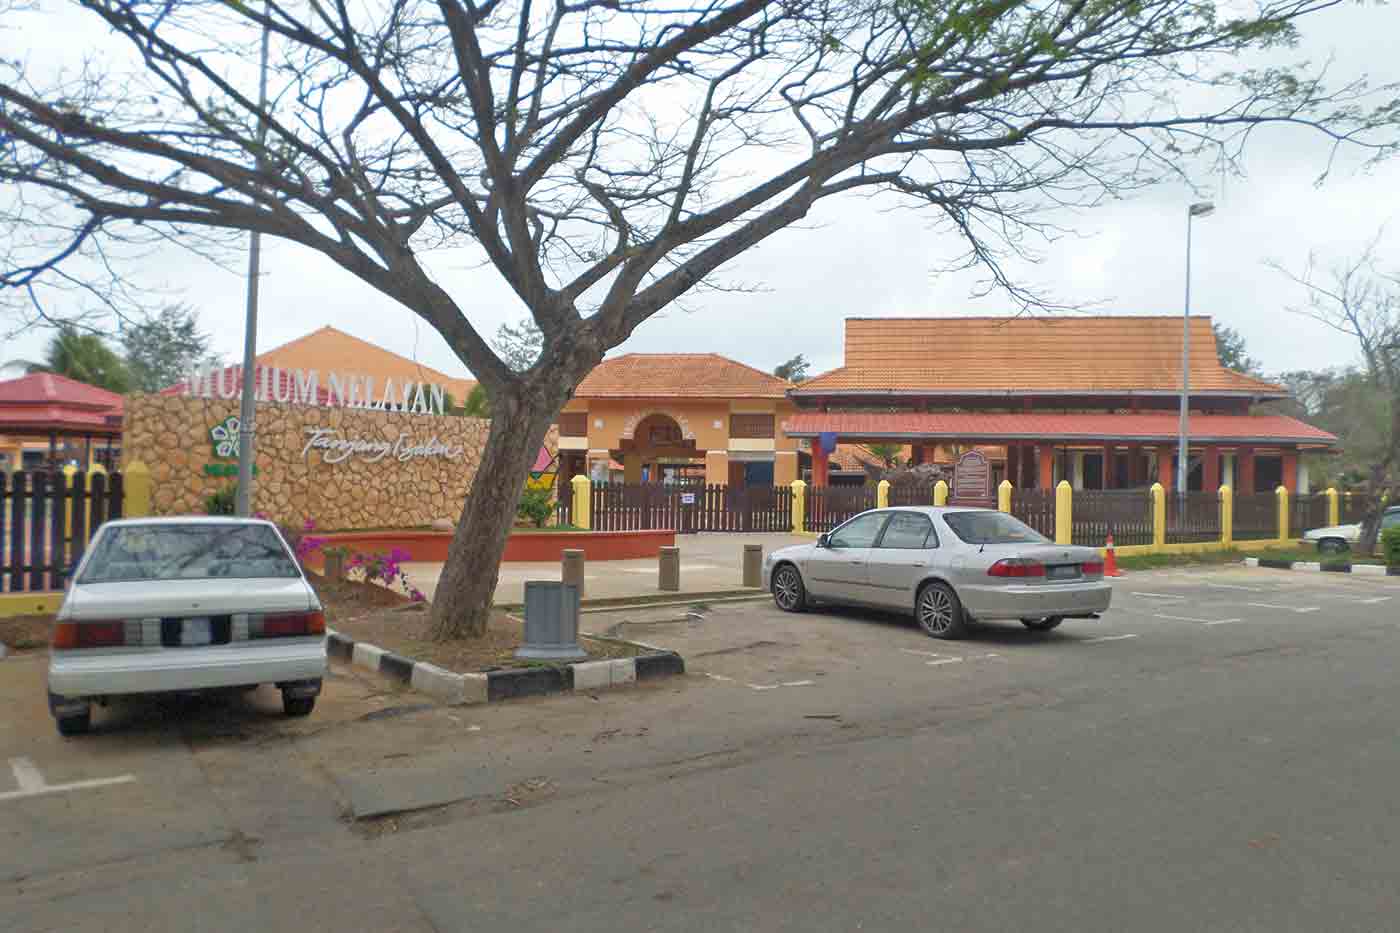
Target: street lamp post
[
  {"x": 247, "y": 408},
  {"x": 1199, "y": 209}
]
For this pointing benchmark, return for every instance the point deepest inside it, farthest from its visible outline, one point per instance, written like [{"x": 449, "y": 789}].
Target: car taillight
[
  {"x": 68, "y": 636},
  {"x": 1093, "y": 568},
  {"x": 286, "y": 626},
  {"x": 1016, "y": 567}
]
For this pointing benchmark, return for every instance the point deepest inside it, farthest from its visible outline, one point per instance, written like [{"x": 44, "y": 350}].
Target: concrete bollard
[
  {"x": 668, "y": 567},
  {"x": 571, "y": 571},
  {"x": 753, "y": 565}
]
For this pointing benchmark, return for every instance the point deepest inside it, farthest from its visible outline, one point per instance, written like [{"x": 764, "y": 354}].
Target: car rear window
[
  {"x": 188, "y": 552},
  {"x": 991, "y": 528}
]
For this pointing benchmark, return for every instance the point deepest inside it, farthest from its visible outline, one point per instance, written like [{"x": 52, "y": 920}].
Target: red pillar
[
  {"x": 1045, "y": 454},
  {"x": 1210, "y": 470},
  {"x": 1290, "y": 471},
  {"x": 821, "y": 464},
  {"x": 1244, "y": 458},
  {"x": 1164, "y": 467}
]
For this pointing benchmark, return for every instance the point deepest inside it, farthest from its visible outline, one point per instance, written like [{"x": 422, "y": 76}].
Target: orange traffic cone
[{"x": 1110, "y": 563}]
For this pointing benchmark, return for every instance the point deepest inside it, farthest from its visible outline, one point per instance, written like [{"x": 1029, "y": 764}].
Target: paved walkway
[{"x": 709, "y": 562}]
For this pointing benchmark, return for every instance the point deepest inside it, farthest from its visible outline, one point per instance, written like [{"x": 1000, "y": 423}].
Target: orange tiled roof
[
  {"x": 1016, "y": 356},
  {"x": 331, "y": 349},
  {"x": 683, "y": 375}
]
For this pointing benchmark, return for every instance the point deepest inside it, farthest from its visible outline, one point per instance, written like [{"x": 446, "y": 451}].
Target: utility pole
[{"x": 1183, "y": 449}]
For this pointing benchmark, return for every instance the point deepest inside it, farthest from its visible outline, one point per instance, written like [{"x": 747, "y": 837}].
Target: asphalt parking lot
[{"x": 178, "y": 805}]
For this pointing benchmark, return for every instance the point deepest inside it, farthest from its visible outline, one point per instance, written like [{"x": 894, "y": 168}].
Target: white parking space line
[
  {"x": 786, "y": 683},
  {"x": 1159, "y": 615},
  {"x": 1373, "y": 600},
  {"x": 1157, "y": 595},
  {"x": 1233, "y": 586},
  {"x": 32, "y": 784},
  {"x": 1284, "y": 608},
  {"x": 1103, "y": 638}
]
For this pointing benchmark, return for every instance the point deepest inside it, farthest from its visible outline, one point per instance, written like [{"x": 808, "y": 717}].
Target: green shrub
[
  {"x": 535, "y": 506},
  {"x": 222, "y": 502},
  {"x": 1390, "y": 546}
]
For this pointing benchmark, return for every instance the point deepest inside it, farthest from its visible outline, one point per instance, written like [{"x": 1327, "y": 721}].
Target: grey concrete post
[
  {"x": 572, "y": 570},
  {"x": 753, "y": 565},
  {"x": 668, "y": 567}
]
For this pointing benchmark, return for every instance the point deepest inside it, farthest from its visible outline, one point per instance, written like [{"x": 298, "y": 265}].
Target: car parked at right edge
[
  {"x": 1338, "y": 539},
  {"x": 947, "y": 566}
]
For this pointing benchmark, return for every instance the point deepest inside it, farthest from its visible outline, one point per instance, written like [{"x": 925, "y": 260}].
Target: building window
[
  {"x": 751, "y": 426},
  {"x": 573, "y": 424},
  {"x": 659, "y": 435}
]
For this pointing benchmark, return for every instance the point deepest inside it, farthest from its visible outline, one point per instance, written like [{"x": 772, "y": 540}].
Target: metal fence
[
  {"x": 48, "y": 524},
  {"x": 1256, "y": 516},
  {"x": 1035, "y": 507},
  {"x": 1124, "y": 513},
  {"x": 829, "y": 506},
  {"x": 1193, "y": 518}
]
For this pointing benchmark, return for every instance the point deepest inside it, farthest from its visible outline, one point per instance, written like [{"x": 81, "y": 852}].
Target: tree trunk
[{"x": 462, "y": 603}]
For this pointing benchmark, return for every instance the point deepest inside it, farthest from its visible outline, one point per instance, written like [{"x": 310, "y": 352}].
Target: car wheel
[
  {"x": 75, "y": 725},
  {"x": 298, "y": 706},
  {"x": 788, "y": 592},
  {"x": 1043, "y": 624},
  {"x": 940, "y": 612},
  {"x": 1332, "y": 546}
]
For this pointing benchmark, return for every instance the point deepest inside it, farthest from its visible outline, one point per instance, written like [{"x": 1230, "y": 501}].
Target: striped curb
[
  {"x": 1367, "y": 570},
  {"x": 494, "y": 686}
]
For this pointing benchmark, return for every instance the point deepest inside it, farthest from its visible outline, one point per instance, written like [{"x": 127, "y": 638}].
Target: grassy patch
[{"x": 1162, "y": 561}]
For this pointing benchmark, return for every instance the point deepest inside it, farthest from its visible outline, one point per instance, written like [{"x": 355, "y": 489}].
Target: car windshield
[
  {"x": 188, "y": 552},
  {"x": 992, "y": 528}
]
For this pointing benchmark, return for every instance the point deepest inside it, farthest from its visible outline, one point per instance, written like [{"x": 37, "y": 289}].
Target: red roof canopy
[
  {"x": 1090, "y": 426},
  {"x": 46, "y": 403}
]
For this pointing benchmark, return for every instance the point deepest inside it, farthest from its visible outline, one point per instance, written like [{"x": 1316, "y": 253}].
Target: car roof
[
  {"x": 933, "y": 509},
  {"x": 187, "y": 520}
]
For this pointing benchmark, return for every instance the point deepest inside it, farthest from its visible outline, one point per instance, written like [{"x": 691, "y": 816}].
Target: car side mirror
[{"x": 823, "y": 541}]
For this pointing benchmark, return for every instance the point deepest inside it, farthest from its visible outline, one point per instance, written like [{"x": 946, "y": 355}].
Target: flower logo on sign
[{"x": 224, "y": 437}]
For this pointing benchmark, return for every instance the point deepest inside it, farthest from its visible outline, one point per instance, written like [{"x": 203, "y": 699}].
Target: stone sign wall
[{"x": 341, "y": 467}]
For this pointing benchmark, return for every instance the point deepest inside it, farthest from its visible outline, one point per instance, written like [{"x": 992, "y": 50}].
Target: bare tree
[
  {"x": 607, "y": 157},
  {"x": 1357, "y": 298}
]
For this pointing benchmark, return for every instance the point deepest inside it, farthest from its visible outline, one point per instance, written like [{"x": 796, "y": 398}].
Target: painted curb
[
  {"x": 1365, "y": 570},
  {"x": 495, "y": 686}
]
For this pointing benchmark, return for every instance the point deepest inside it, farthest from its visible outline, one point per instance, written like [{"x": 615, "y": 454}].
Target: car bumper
[
  {"x": 1033, "y": 601},
  {"x": 79, "y": 674}
]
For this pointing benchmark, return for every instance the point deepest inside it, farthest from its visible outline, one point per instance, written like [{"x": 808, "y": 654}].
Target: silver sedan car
[{"x": 948, "y": 566}]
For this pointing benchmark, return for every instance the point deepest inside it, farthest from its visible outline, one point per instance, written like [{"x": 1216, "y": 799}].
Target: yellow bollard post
[
  {"x": 1064, "y": 513},
  {"x": 583, "y": 489},
  {"x": 1334, "y": 511},
  {"x": 940, "y": 493},
  {"x": 799, "y": 507},
  {"x": 1227, "y": 516},
  {"x": 1282, "y": 493},
  {"x": 1004, "y": 496},
  {"x": 67, "y": 502},
  {"x": 1159, "y": 515},
  {"x": 136, "y": 490},
  {"x": 882, "y": 494}
]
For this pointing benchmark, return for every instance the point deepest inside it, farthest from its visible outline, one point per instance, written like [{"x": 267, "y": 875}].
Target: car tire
[
  {"x": 939, "y": 611},
  {"x": 75, "y": 725},
  {"x": 789, "y": 593},
  {"x": 298, "y": 706},
  {"x": 1043, "y": 624},
  {"x": 1332, "y": 546}
]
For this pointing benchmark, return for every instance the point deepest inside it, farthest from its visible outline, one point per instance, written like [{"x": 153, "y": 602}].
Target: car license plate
[
  {"x": 196, "y": 632},
  {"x": 1062, "y": 572}
]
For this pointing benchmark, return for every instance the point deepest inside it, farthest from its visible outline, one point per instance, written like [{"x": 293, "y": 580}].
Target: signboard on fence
[
  {"x": 687, "y": 498},
  {"x": 972, "y": 481}
]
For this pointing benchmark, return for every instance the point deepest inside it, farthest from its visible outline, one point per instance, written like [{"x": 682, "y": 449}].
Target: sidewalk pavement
[{"x": 709, "y": 563}]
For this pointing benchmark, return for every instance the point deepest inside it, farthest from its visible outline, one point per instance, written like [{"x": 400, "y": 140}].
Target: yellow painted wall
[{"x": 697, "y": 418}]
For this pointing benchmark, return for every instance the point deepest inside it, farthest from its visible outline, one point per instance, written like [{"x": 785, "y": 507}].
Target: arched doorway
[{"x": 657, "y": 451}]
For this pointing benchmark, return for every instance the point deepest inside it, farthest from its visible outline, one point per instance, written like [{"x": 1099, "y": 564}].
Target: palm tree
[{"x": 84, "y": 357}]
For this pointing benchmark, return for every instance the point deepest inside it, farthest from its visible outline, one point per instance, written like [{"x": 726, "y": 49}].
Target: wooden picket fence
[
  {"x": 829, "y": 506},
  {"x": 48, "y": 524},
  {"x": 689, "y": 508}
]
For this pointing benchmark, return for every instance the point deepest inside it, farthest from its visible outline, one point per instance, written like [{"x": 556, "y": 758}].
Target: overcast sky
[{"x": 853, "y": 259}]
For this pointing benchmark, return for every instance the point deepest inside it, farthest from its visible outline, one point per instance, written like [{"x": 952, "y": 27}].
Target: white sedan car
[
  {"x": 1336, "y": 539},
  {"x": 184, "y": 604}
]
